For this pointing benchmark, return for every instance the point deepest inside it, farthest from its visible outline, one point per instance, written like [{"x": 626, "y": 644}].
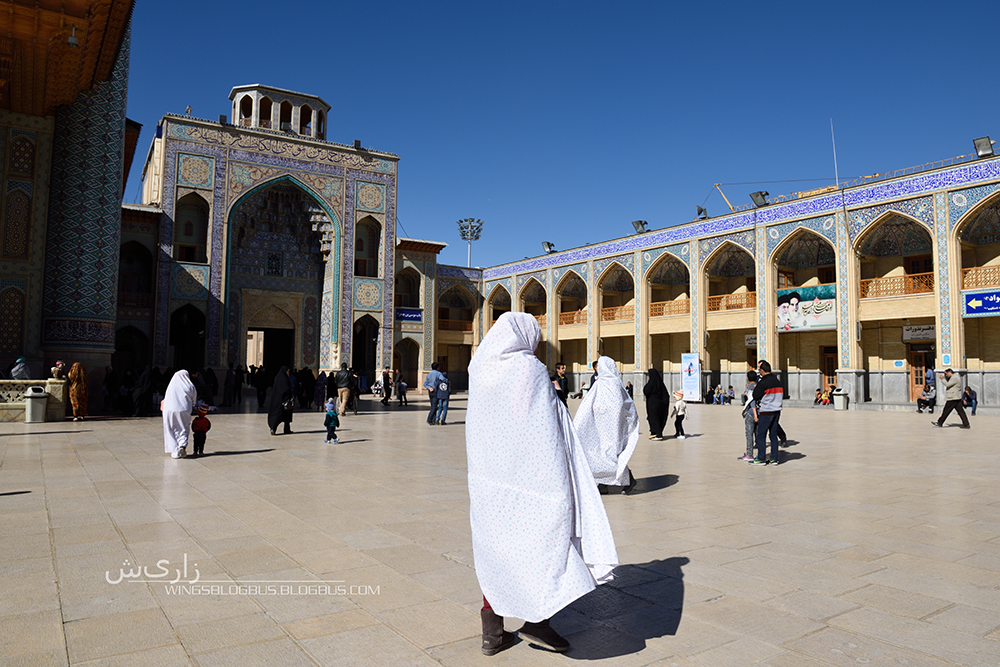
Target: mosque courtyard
[{"x": 876, "y": 541}]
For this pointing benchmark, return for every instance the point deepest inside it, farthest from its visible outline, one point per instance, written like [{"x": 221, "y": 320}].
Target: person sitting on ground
[
  {"x": 927, "y": 399},
  {"x": 824, "y": 398},
  {"x": 718, "y": 395},
  {"x": 730, "y": 395},
  {"x": 819, "y": 397},
  {"x": 970, "y": 400}
]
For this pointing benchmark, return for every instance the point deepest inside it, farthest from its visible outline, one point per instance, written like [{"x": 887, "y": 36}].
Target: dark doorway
[
  {"x": 407, "y": 360},
  {"x": 131, "y": 351},
  {"x": 365, "y": 345},
  {"x": 279, "y": 350},
  {"x": 187, "y": 335}
]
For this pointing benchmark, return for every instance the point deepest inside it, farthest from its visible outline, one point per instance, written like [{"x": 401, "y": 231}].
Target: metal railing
[
  {"x": 981, "y": 276},
  {"x": 135, "y": 300},
  {"x": 916, "y": 283},
  {"x": 675, "y": 307},
  {"x": 617, "y": 313},
  {"x": 740, "y": 301},
  {"x": 455, "y": 325},
  {"x": 574, "y": 317}
]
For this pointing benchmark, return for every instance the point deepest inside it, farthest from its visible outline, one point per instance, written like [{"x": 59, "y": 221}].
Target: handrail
[
  {"x": 738, "y": 301},
  {"x": 617, "y": 313},
  {"x": 914, "y": 283},
  {"x": 981, "y": 276},
  {"x": 573, "y": 317},
  {"x": 666, "y": 308},
  {"x": 455, "y": 325}
]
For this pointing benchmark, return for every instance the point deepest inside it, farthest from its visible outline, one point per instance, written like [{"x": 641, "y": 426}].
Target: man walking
[
  {"x": 431, "y": 383},
  {"x": 386, "y": 386},
  {"x": 342, "y": 382},
  {"x": 561, "y": 383},
  {"x": 767, "y": 396},
  {"x": 953, "y": 399}
]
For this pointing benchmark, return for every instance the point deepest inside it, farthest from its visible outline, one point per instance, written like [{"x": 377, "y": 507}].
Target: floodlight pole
[{"x": 470, "y": 229}]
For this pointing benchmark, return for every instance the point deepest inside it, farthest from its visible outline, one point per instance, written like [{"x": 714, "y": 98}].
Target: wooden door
[
  {"x": 828, "y": 362},
  {"x": 918, "y": 366}
]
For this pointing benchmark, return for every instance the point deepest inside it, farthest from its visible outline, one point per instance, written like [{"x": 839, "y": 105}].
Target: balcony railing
[
  {"x": 454, "y": 325},
  {"x": 675, "y": 307},
  {"x": 246, "y": 122},
  {"x": 542, "y": 319},
  {"x": 617, "y": 313},
  {"x": 739, "y": 301},
  {"x": 135, "y": 300},
  {"x": 916, "y": 283},
  {"x": 574, "y": 317},
  {"x": 981, "y": 276}
]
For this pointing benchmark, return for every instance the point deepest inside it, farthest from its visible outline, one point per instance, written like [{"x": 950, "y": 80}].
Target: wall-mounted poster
[
  {"x": 691, "y": 376},
  {"x": 807, "y": 308}
]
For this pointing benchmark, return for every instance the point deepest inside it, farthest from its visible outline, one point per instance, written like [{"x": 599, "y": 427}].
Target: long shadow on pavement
[
  {"x": 644, "y": 601},
  {"x": 224, "y": 452}
]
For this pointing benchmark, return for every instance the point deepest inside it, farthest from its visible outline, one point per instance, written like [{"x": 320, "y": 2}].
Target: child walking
[
  {"x": 200, "y": 426},
  {"x": 331, "y": 422},
  {"x": 750, "y": 415},
  {"x": 677, "y": 412}
]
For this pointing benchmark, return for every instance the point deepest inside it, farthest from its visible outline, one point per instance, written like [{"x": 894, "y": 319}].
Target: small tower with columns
[{"x": 281, "y": 110}]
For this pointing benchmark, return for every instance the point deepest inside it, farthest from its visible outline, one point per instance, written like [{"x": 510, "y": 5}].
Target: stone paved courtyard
[{"x": 876, "y": 542}]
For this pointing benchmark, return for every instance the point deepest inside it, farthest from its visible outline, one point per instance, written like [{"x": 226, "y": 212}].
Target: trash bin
[
  {"x": 840, "y": 399},
  {"x": 35, "y": 400}
]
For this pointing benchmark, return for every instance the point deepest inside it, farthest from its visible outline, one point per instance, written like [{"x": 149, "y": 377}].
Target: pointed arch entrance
[
  {"x": 364, "y": 353},
  {"x": 284, "y": 245}
]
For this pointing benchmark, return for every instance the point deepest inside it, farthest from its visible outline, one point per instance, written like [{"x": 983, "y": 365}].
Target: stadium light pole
[{"x": 470, "y": 229}]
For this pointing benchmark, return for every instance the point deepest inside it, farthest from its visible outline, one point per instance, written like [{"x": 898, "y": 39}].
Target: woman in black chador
[
  {"x": 657, "y": 402},
  {"x": 142, "y": 393},
  {"x": 281, "y": 396}
]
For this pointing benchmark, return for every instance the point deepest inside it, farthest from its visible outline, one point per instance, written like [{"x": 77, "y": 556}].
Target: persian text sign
[
  {"x": 812, "y": 308},
  {"x": 409, "y": 315},
  {"x": 691, "y": 376},
  {"x": 981, "y": 303},
  {"x": 919, "y": 332}
]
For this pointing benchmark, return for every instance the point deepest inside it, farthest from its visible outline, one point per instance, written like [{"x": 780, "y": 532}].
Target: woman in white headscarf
[
  {"x": 608, "y": 427},
  {"x": 540, "y": 535},
  {"x": 177, "y": 404}
]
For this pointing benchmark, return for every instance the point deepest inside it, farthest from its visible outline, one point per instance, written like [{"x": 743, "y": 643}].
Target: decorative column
[
  {"x": 79, "y": 308},
  {"x": 593, "y": 318},
  {"x": 850, "y": 371},
  {"x": 552, "y": 315},
  {"x": 947, "y": 289},
  {"x": 699, "y": 301}
]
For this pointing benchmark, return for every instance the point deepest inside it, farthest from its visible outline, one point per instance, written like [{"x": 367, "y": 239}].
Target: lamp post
[{"x": 470, "y": 229}]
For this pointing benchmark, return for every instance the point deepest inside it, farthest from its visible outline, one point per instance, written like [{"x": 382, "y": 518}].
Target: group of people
[
  {"x": 956, "y": 399},
  {"x": 719, "y": 396},
  {"x": 76, "y": 382},
  {"x": 659, "y": 411}
]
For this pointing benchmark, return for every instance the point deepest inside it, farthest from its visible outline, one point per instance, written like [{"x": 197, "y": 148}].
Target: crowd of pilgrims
[{"x": 139, "y": 396}]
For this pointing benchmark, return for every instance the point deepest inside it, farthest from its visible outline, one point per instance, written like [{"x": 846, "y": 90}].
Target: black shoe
[
  {"x": 543, "y": 635},
  {"x": 965, "y": 426},
  {"x": 495, "y": 638},
  {"x": 934, "y": 423}
]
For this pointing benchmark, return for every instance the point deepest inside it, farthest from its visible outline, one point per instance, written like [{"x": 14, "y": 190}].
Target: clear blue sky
[{"x": 565, "y": 121}]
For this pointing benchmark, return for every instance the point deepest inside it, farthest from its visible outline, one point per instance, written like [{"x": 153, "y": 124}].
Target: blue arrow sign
[{"x": 981, "y": 303}]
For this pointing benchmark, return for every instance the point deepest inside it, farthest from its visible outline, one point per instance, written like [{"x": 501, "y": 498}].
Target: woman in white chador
[
  {"x": 540, "y": 535},
  {"x": 177, "y": 405},
  {"x": 607, "y": 425}
]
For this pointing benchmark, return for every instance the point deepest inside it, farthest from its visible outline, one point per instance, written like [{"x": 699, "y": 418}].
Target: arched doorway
[
  {"x": 499, "y": 303},
  {"x": 271, "y": 340},
  {"x": 364, "y": 359},
  {"x": 135, "y": 276},
  {"x": 571, "y": 327},
  {"x": 456, "y": 310},
  {"x": 669, "y": 285},
  {"x": 131, "y": 351},
  {"x": 979, "y": 239},
  {"x": 187, "y": 336},
  {"x": 407, "y": 360},
  {"x": 616, "y": 297}
]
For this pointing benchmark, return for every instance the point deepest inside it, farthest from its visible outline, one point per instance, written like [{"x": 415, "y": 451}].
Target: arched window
[
  {"x": 305, "y": 120},
  {"x": 246, "y": 111},
  {"x": 191, "y": 229},
  {"x": 264, "y": 119},
  {"x": 407, "y": 289},
  {"x": 366, "y": 247},
  {"x": 135, "y": 276},
  {"x": 285, "y": 111},
  {"x": 320, "y": 124}
]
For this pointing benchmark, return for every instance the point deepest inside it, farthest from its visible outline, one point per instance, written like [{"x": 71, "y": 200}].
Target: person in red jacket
[{"x": 200, "y": 427}]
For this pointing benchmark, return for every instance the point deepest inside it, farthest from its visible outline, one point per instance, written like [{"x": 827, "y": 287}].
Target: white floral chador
[
  {"x": 177, "y": 404},
  {"x": 608, "y": 426},
  {"x": 540, "y": 535}
]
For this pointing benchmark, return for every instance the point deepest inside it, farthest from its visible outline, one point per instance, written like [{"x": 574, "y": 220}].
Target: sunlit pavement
[{"x": 875, "y": 542}]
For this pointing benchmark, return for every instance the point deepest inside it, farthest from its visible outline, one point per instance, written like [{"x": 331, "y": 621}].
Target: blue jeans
[
  {"x": 767, "y": 424},
  {"x": 442, "y": 410},
  {"x": 971, "y": 404}
]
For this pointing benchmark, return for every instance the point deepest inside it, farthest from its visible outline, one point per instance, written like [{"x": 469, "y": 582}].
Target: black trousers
[{"x": 955, "y": 405}]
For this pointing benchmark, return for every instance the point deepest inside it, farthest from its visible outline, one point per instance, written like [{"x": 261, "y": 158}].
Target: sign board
[
  {"x": 691, "y": 376},
  {"x": 981, "y": 303},
  {"x": 919, "y": 332},
  {"x": 409, "y": 315},
  {"x": 812, "y": 308},
  {"x": 750, "y": 340}
]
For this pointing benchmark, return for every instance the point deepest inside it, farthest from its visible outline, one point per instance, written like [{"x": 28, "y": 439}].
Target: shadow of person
[
  {"x": 223, "y": 452},
  {"x": 785, "y": 457},
  {"x": 644, "y": 601},
  {"x": 14, "y": 493},
  {"x": 650, "y": 484}
]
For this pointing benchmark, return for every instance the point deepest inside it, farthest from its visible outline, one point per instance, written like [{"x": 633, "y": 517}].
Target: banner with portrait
[
  {"x": 811, "y": 308},
  {"x": 691, "y": 376}
]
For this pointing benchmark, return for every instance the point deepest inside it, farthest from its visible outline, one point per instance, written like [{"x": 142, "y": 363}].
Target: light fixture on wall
[
  {"x": 640, "y": 226},
  {"x": 759, "y": 198},
  {"x": 984, "y": 146},
  {"x": 72, "y": 39},
  {"x": 548, "y": 247}
]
